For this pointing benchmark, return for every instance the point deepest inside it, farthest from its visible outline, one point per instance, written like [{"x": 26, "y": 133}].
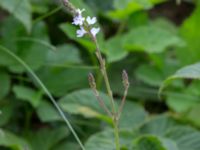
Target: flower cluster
[{"x": 79, "y": 20}]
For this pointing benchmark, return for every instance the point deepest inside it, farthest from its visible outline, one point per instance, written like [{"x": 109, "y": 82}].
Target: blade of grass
[
  {"x": 40, "y": 18},
  {"x": 46, "y": 91}
]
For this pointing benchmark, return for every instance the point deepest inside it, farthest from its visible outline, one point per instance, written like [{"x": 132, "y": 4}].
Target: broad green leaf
[
  {"x": 127, "y": 7},
  {"x": 47, "y": 113},
  {"x": 67, "y": 146},
  {"x": 21, "y": 9},
  {"x": 40, "y": 7},
  {"x": 133, "y": 116},
  {"x": 150, "y": 75},
  {"x": 32, "y": 48},
  {"x": 12, "y": 141},
  {"x": 47, "y": 138},
  {"x": 4, "y": 84},
  {"x": 6, "y": 112},
  {"x": 193, "y": 114},
  {"x": 188, "y": 72},
  {"x": 158, "y": 125},
  {"x": 123, "y": 8},
  {"x": 65, "y": 54},
  {"x": 105, "y": 140},
  {"x": 59, "y": 81},
  {"x": 97, "y": 6},
  {"x": 141, "y": 38},
  {"x": 36, "y": 54},
  {"x": 114, "y": 49},
  {"x": 120, "y": 4},
  {"x": 186, "y": 100},
  {"x": 181, "y": 103},
  {"x": 190, "y": 33},
  {"x": 150, "y": 142},
  {"x": 28, "y": 94},
  {"x": 83, "y": 102},
  {"x": 164, "y": 127},
  {"x": 185, "y": 138},
  {"x": 101, "y": 141}
]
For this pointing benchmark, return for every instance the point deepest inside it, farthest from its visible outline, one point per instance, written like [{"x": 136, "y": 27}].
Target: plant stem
[
  {"x": 116, "y": 132},
  {"x": 105, "y": 76},
  {"x": 104, "y": 73}
]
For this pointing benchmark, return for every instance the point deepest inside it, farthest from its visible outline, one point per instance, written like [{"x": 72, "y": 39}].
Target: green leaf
[
  {"x": 12, "y": 141},
  {"x": 105, "y": 140},
  {"x": 28, "y": 94},
  {"x": 15, "y": 38},
  {"x": 186, "y": 100},
  {"x": 6, "y": 112},
  {"x": 185, "y": 138},
  {"x": 188, "y": 72},
  {"x": 67, "y": 146},
  {"x": 193, "y": 114},
  {"x": 21, "y": 9},
  {"x": 101, "y": 141},
  {"x": 182, "y": 137},
  {"x": 114, "y": 49},
  {"x": 83, "y": 102},
  {"x": 60, "y": 81},
  {"x": 133, "y": 116},
  {"x": 190, "y": 33},
  {"x": 150, "y": 75},
  {"x": 123, "y": 8},
  {"x": 158, "y": 125},
  {"x": 141, "y": 38},
  {"x": 4, "y": 84},
  {"x": 150, "y": 142},
  {"x": 36, "y": 55},
  {"x": 65, "y": 54},
  {"x": 46, "y": 139},
  {"x": 47, "y": 113}
]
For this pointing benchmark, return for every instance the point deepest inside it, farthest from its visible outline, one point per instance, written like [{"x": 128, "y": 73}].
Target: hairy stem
[
  {"x": 104, "y": 73},
  {"x": 108, "y": 87}
]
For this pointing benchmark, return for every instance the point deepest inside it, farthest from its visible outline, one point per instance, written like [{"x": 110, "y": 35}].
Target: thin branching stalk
[
  {"x": 104, "y": 73},
  {"x": 85, "y": 28},
  {"x": 108, "y": 87}
]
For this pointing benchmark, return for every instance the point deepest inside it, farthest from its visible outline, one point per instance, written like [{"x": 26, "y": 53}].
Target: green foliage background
[{"x": 156, "y": 41}]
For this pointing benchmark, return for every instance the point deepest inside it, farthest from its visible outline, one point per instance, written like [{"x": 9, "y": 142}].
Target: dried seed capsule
[
  {"x": 92, "y": 82},
  {"x": 125, "y": 79}
]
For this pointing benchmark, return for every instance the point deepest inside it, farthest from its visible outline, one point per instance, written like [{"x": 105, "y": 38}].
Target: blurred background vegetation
[{"x": 151, "y": 39}]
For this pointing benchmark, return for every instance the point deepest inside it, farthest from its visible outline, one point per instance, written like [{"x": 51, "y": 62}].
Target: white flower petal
[
  {"x": 81, "y": 32},
  {"x": 91, "y": 21},
  {"x": 78, "y": 20},
  {"x": 94, "y": 31}
]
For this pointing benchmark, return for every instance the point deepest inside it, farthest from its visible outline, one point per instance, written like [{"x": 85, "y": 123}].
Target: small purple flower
[
  {"x": 94, "y": 31},
  {"x": 81, "y": 32}
]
